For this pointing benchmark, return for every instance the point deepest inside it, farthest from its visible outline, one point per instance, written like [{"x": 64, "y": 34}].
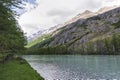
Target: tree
[{"x": 11, "y": 36}]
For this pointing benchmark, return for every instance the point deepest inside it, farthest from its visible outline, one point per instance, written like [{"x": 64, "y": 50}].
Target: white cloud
[{"x": 49, "y": 13}]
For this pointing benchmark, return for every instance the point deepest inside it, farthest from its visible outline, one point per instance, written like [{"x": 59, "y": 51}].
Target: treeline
[
  {"x": 109, "y": 45},
  {"x": 55, "y": 50},
  {"x": 11, "y": 36}
]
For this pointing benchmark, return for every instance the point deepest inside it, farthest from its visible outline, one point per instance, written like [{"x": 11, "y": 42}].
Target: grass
[
  {"x": 18, "y": 70},
  {"x": 38, "y": 40},
  {"x": 43, "y": 43}
]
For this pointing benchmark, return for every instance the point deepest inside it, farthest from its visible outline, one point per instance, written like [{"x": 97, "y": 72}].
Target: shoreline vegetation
[
  {"x": 12, "y": 42},
  {"x": 16, "y": 68}
]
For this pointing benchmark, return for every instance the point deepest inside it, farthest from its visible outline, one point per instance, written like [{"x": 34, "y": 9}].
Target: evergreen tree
[{"x": 11, "y": 36}]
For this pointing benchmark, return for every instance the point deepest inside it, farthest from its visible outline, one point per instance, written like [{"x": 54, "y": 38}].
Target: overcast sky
[{"x": 48, "y": 13}]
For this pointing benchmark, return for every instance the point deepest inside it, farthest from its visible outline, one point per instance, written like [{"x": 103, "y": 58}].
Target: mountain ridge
[
  {"x": 83, "y": 15},
  {"x": 99, "y": 34}
]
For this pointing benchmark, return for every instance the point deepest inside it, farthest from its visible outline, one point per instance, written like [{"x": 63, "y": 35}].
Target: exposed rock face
[
  {"x": 90, "y": 33},
  {"x": 104, "y": 9}
]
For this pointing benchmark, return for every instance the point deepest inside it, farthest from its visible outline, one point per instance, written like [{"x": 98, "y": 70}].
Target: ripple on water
[{"x": 53, "y": 67}]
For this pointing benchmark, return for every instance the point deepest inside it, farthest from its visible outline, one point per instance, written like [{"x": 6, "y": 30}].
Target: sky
[{"x": 43, "y": 14}]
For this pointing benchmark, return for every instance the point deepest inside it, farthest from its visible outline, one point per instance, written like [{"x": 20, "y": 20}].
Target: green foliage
[
  {"x": 60, "y": 49},
  {"x": 117, "y": 25},
  {"x": 43, "y": 43},
  {"x": 11, "y": 36},
  {"x": 18, "y": 70},
  {"x": 83, "y": 25},
  {"x": 76, "y": 39},
  {"x": 2, "y": 56},
  {"x": 41, "y": 40},
  {"x": 101, "y": 46},
  {"x": 108, "y": 45},
  {"x": 61, "y": 30},
  {"x": 116, "y": 42}
]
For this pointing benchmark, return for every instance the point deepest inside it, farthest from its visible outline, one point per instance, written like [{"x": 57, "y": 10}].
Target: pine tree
[{"x": 11, "y": 36}]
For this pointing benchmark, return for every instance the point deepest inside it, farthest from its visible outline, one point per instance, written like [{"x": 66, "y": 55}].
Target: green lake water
[{"x": 76, "y": 67}]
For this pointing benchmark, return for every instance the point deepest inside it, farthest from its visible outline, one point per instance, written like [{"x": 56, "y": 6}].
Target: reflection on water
[{"x": 75, "y": 67}]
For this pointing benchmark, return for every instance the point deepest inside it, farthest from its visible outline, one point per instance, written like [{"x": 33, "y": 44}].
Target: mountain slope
[{"x": 91, "y": 33}]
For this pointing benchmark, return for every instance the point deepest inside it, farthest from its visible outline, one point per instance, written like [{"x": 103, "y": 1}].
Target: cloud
[
  {"x": 61, "y": 13},
  {"x": 49, "y": 13}
]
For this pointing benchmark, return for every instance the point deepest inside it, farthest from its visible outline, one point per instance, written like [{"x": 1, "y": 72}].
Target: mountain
[
  {"x": 40, "y": 36},
  {"x": 84, "y": 15},
  {"x": 35, "y": 35},
  {"x": 87, "y": 33},
  {"x": 104, "y": 9}
]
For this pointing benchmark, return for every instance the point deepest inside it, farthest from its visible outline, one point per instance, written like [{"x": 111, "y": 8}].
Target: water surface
[{"x": 75, "y": 67}]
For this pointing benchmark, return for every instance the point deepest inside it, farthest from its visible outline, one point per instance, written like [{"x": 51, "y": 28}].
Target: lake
[{"x": 75, "y": 67}]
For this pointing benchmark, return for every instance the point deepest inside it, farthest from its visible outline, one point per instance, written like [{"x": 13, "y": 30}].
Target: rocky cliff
[{"x": 89, "y": 33}]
